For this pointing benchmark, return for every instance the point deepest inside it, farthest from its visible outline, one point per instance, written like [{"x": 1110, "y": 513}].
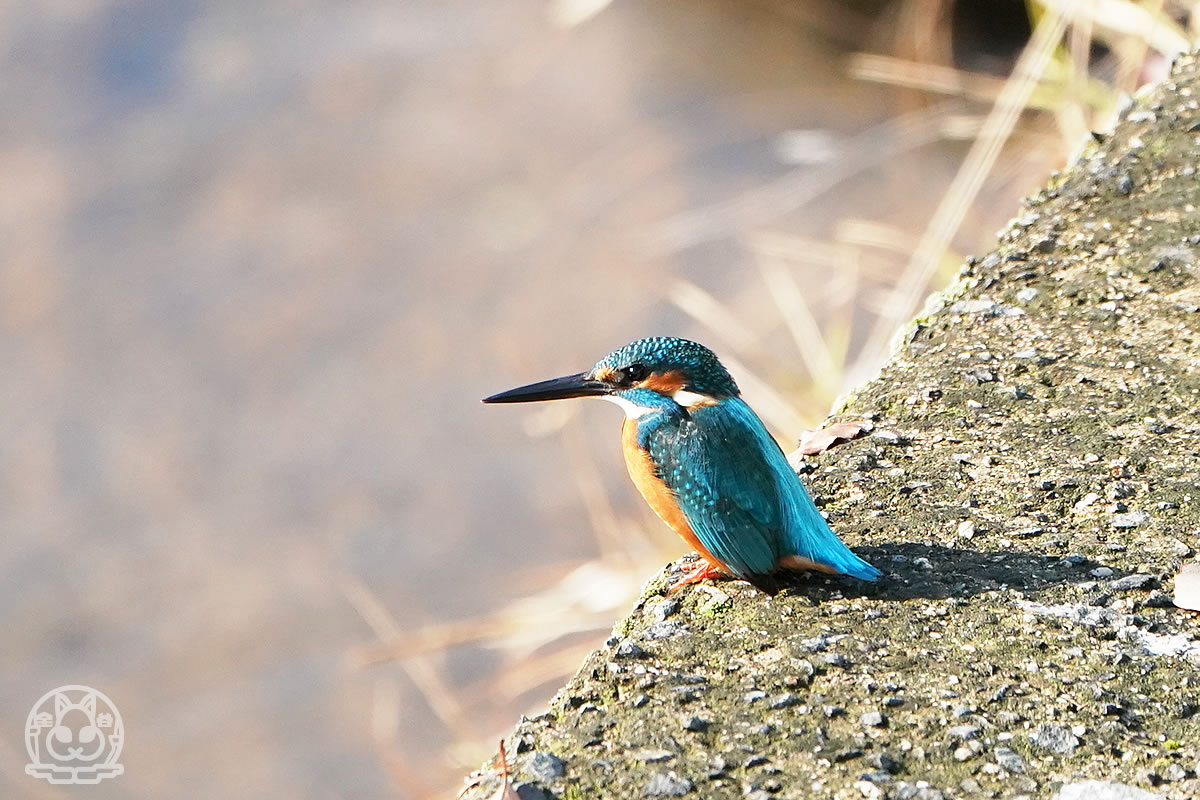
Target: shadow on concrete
[{"x": 936, "y": 572}]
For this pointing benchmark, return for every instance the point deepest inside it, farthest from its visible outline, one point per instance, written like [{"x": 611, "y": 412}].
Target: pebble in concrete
[
  {"x": 667, "y": 784},
  {"x": 546, "y": 767},
  {"x": 1103, "y": 790},
  {"x": 1056, "y": 739}
]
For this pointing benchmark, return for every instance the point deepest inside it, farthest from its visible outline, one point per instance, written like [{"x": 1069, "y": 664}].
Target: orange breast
[{"x": 657, "y": 494}]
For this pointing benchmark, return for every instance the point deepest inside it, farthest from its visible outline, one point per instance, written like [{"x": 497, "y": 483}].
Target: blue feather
[{"x": 738, "y": 492}]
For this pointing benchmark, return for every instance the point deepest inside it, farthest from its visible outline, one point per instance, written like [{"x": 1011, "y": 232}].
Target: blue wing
[{"x": 740, "y": 495}]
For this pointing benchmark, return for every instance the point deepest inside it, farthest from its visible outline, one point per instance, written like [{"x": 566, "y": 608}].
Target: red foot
[{"x": 695, "y": 572}]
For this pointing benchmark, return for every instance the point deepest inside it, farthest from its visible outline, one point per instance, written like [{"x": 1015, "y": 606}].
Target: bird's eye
[{"x": 634, "y": 373}]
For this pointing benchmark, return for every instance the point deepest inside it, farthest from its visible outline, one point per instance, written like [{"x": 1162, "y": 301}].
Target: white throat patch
[{"x": 632, "y": 410}]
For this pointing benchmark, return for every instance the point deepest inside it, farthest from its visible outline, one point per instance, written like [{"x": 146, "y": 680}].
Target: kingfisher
[{"x": 706, "y": 464}]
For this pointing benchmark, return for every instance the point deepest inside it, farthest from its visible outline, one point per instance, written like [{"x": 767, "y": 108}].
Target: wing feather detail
[{"x": 740, "y": 496}]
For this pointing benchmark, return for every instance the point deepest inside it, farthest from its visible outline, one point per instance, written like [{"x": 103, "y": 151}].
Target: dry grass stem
[
  {"x": 805, "y": 330},
  {"x": 936, "y": 78},
  {"x": 701, "y": 305},
  {"x": 421, "y": 670},
  {"x": 913, "y": 282},
  {"x": 1121, "y": 23},
  {"x": 866, "y": 151},
  {"x": 583, "y": 599}
]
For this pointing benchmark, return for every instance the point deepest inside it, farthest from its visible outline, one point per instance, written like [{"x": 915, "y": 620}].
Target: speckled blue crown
[{"x": 663, "y": 354}]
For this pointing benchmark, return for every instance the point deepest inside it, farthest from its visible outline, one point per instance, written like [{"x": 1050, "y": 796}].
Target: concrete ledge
[{"x": 1030, "y": 489}]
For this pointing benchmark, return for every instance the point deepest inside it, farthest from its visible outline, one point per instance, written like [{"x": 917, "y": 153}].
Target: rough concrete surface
[{"x": 1030, "y": 488}]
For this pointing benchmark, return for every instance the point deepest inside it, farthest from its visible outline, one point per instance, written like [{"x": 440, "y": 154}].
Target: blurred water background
[{"x": 261, "y": 260}]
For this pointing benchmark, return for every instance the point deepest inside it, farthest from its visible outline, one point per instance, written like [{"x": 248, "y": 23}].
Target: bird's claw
[{"x": 696, "y": 571}]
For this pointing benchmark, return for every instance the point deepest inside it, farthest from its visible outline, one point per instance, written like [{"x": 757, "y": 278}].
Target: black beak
[{"x": 579, "y": 385}]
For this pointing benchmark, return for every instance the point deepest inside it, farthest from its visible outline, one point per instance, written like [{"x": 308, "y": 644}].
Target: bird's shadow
[{"x": 912, "y": 570}]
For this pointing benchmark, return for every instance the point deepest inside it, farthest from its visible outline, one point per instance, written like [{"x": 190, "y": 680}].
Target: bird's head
[{"x": 676, "y": 370}]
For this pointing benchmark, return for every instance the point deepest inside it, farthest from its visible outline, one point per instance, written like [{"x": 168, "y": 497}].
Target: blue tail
[
  {"x": 805, "y": 531},
  {"x": 809, "y": 536}
]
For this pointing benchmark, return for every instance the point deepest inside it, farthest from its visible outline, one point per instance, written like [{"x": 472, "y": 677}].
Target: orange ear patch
[{"x": 665, "y": 383}]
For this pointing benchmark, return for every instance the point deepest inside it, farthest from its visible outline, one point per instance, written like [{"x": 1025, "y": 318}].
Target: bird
[{"x": 706, "y": 464}]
